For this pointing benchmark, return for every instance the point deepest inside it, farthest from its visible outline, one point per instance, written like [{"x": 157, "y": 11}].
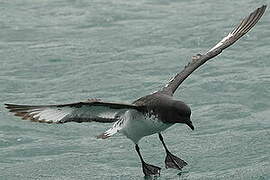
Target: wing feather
[
  {"x": 98, "y": 111},
  {"x": 245, "y": 25}
]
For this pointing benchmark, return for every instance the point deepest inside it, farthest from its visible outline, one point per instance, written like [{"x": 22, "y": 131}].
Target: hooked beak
[{"x": 189, "y": 123}]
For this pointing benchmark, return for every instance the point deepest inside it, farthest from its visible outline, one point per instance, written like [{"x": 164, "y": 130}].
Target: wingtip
[
  {"x": 8, "y": 106},
  {"x": 263, "y": 7},
  {"x": 13, "y": 106}
]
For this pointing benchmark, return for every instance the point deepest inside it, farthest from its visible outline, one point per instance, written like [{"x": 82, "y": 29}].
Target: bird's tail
[{"x": 117, "y": 126}]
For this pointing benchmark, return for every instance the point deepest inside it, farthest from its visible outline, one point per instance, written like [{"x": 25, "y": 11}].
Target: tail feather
[{"x": 110, "y": 132}]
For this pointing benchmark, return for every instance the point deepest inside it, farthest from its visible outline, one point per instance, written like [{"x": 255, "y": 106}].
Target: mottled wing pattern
[
  {"x": 105, "y": 112},
  {"x": 245, "y": 25}
]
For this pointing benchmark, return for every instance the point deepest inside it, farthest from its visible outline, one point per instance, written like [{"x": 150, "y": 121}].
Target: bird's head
[{"x": 182, "y": 113}]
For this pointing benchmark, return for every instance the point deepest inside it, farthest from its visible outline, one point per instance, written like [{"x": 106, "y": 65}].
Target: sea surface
[{"x": 55, "y": 52}]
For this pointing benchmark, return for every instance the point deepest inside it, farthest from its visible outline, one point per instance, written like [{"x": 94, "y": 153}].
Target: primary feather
[{"x": 198, "y": 60}]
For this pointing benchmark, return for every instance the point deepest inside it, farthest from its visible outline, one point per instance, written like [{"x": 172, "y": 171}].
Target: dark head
[
  {"x": 167, "y": 109},
  {"x": 182, "y": 113}
]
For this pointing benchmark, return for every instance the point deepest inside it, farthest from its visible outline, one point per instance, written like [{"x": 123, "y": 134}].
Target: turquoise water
[{"x": 118, "y": 50}]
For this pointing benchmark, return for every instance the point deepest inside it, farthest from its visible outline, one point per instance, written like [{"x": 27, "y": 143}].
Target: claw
[{"x": 173, "y": 161}]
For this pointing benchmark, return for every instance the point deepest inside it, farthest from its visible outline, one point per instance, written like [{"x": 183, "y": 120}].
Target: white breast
[{"x": 136, "y": 125}]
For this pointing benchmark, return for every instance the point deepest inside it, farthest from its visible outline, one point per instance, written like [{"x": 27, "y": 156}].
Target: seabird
[{"x": 147, "y": 115}]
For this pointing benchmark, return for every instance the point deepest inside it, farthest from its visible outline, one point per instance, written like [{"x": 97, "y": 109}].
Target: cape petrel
[{"x": 147, "y": 115}]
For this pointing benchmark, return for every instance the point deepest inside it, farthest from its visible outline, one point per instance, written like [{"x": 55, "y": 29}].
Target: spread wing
[
  {"x": 98, "y": 111},
  {"x": 198, "y": 60}
]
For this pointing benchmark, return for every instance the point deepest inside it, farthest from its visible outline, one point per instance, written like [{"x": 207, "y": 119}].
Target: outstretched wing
[
  {"x": 198, "y": 60},
  {"x": 105, "y": 112}
]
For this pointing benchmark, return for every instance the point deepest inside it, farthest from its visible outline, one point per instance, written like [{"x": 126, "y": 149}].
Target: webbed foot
[
  {"x": 173, "y": 161},
  {"x": 150, "y": 170}
]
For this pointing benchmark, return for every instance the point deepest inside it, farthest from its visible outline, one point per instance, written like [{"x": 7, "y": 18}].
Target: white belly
[{"x": 136, "y": 126}]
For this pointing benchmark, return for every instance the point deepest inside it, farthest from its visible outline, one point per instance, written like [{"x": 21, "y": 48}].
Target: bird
[{"x": 148, "y": 115}]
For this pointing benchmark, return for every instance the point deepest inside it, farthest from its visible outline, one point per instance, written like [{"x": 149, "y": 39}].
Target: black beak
[{"x": 189, "y": 123}]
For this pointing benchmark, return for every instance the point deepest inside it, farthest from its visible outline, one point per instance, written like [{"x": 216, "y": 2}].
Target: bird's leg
[
  {"x": 172, "y": 161},
  {"x": 148, "y": 169}
]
